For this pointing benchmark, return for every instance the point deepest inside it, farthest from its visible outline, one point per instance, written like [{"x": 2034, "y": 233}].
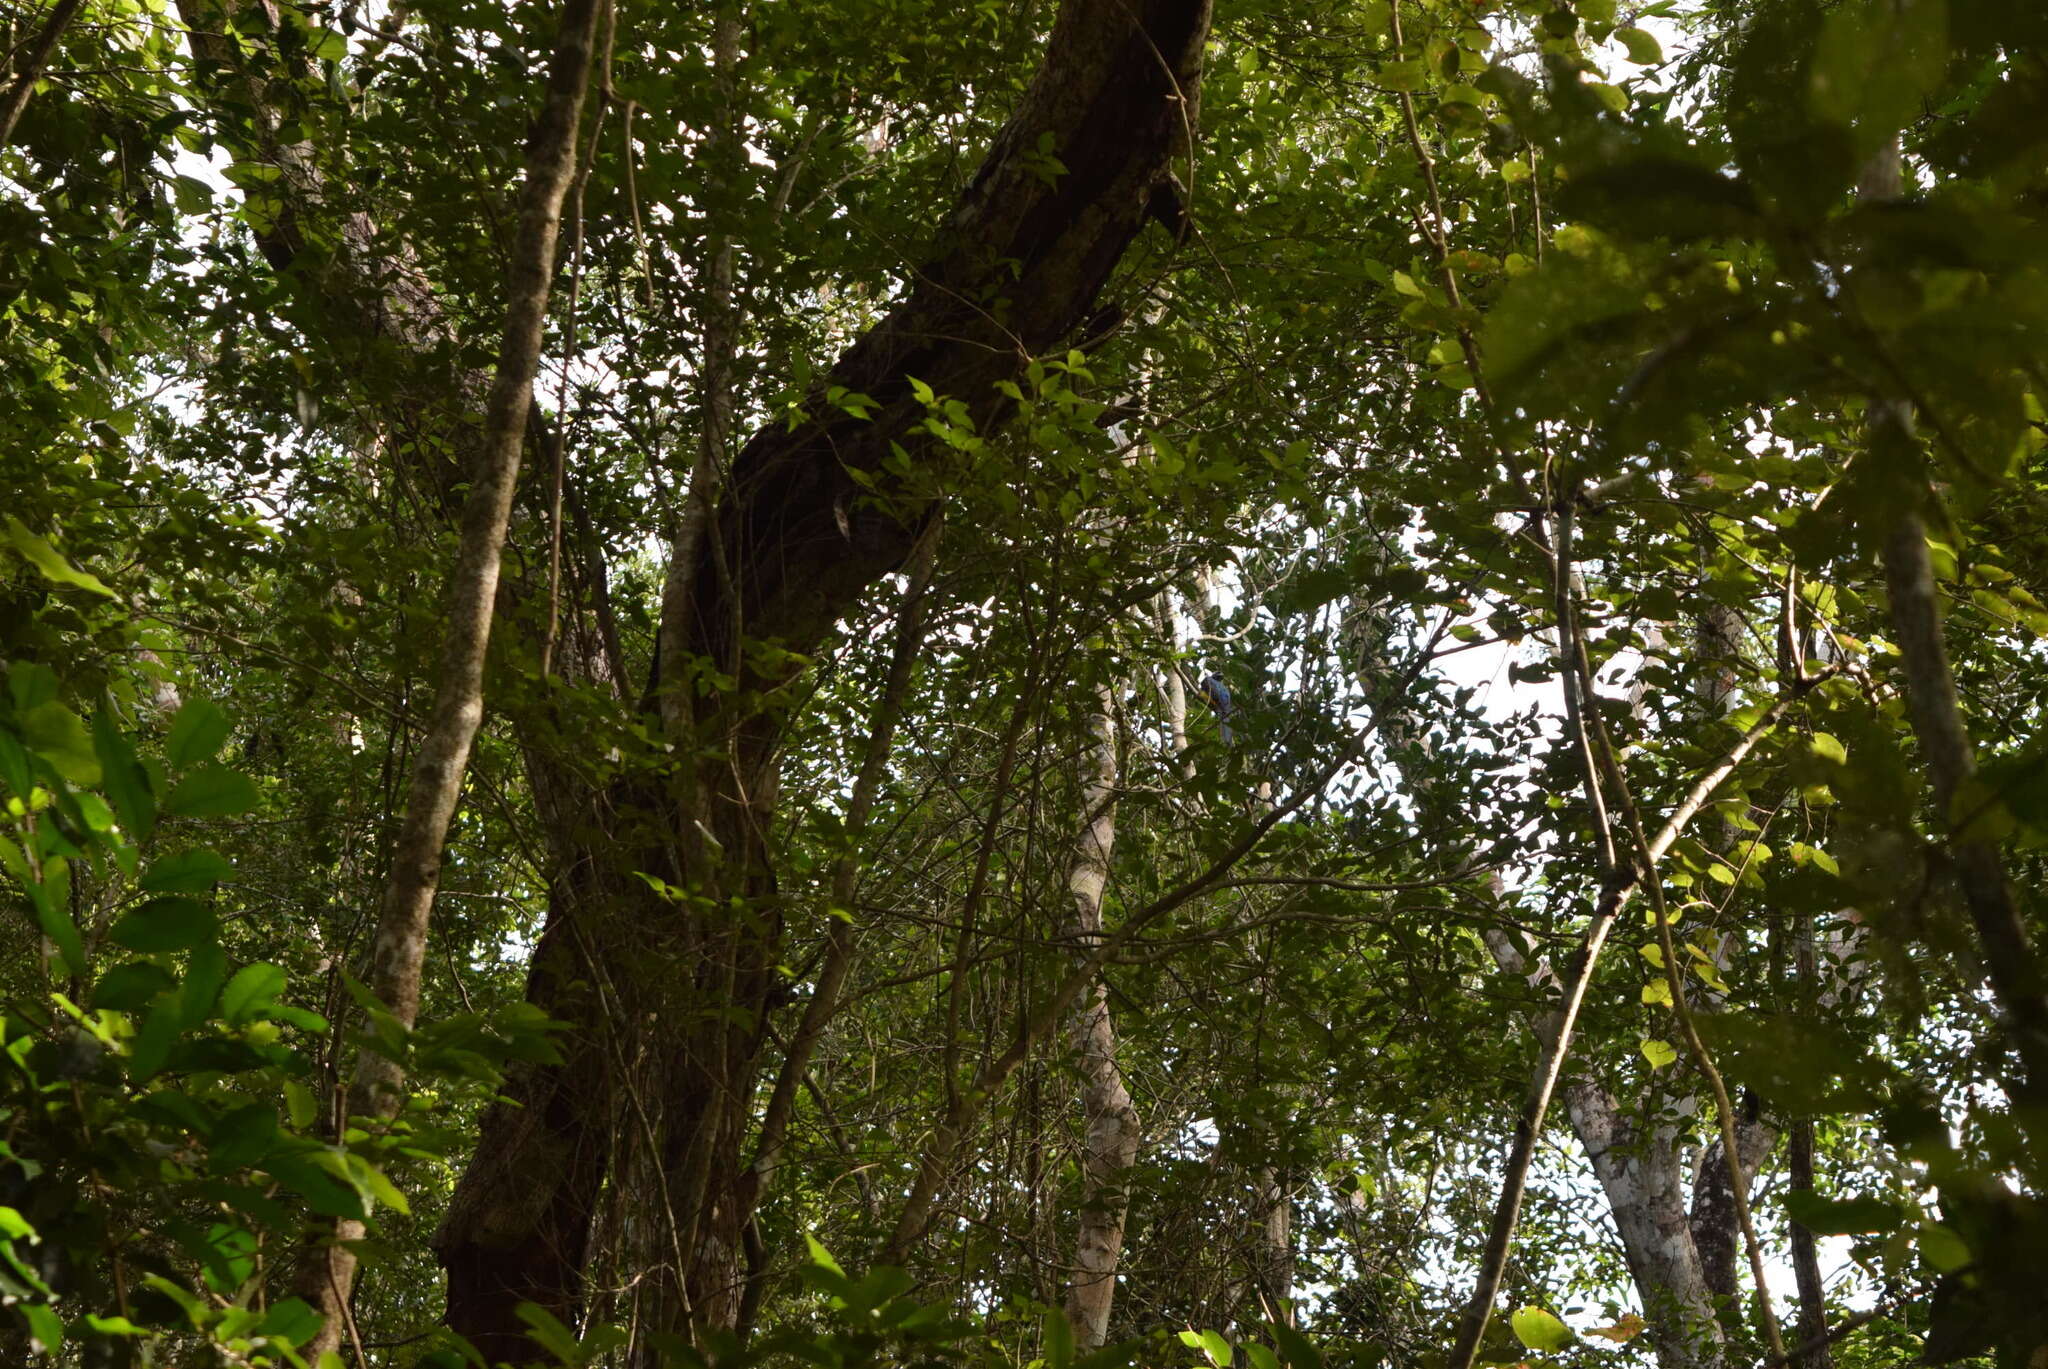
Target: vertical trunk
[
  {"x": 1110, "y": 1119},
  {"x": 1813, "y": 1293},
  {"x": 400, "y": 944},
  {"x": 1276, "y": 1247},
  {"x": 1643, "y": 1178},
  {"x": 1714, "y": 1225}
]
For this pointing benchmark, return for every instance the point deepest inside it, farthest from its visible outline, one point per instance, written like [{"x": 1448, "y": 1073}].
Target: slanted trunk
[
  {"x": 798, "y": 536},
  {"x": 1111, "y": 1121}
]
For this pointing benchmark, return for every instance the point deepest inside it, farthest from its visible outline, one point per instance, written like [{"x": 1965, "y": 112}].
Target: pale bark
[
  {"x": 1643, "y": 1178},
  {"x": 398, "y": 949},
  {"x": 1111, "y": 1122}
]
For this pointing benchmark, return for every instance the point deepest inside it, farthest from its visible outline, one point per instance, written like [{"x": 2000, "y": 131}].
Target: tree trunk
[
  {"x": 794, "y": 542},
  {"x": 1111, "y": 1121},
  {"x": 1643, "y": 1178},
  {"x": 399, "y": 948},
  {"x": 29, "y": 68}
]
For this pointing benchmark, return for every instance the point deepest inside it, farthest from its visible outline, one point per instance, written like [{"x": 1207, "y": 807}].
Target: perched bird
[{"x": 1218, "y": 696}]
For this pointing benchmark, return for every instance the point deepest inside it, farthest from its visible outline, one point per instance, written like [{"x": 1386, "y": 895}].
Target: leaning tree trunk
[
  {"x": 399, "y": 948},
  {"x": 1112, "y": 1132},
  {"x": 808, "y": 520},
  {"x": 805, "y": 524}
]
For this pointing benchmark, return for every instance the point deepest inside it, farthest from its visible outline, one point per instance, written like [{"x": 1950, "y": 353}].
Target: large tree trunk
[
  {"x": 794, "y": 541},
  {"x": 1112, "y": 1131},
  {"x": 1643, "y": 1177}
]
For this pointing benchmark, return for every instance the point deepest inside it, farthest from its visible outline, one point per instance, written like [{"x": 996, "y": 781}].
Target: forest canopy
[{"x": 1040, "y": 683}]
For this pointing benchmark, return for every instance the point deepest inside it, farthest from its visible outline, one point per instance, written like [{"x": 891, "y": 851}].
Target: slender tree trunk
[
  {"x": 1111, "y": 1122},
  {"x": 399, "y": 948},
  {"x": 2017, "y": 981},
  {"x": 1813, "y": 1292},
  {"x": 29, "y": 69},
  {"x": 1276, "y": 1247},
  {"x": 840, "y": 943}
]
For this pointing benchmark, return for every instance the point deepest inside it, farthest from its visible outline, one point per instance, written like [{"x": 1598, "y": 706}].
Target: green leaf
[
  {"x": 46, "y": 559},
  {"x": 822, "y": 1257},
  {"x": 123, "y": 777},
  {"x": 1842, "y": 1217},
  {"x": 212, "y": 791},
  {"x": 130, "y": 986},
  {"x": 56, "y": 734},
  {"x": 290, "y": 1321},
  {"x": 1056, "y": 1339},
  {"x": 1876, "y": 61},
  {"x": 55, "y": 921},
  {"x": 1217, "y": 1349},
  {"x": 1942, "y": 1248},
  {"x": 253, "y": 988},
  {"x": 187, "y": 872},
  {"x": 205, "y": 972},
  {"x": 154, "y": 1039},
  {"x": 45, "y": 1325},
  {"x": 1539, "y": 1330},
  {"x": 170, "y": 923},
  {"x": 196, "y": 734},
  {"x": 1659, "y": 1053},
  {"x": 549, "y": 1333},
  {"x": 1405, "y": 75},
  {"x": 1296, "y": 1350},
  {"x": 1643, "y": 48}
]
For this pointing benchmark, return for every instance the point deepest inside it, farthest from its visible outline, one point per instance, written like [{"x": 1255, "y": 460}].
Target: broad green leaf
[
  {"x": 1539, "y": 1330},
  {"x": 1056, "y": 1339},
  {"x": 196, "y": 734},
  {"x": 1842, "y": 1217},
  {"x": 186, "y": 872},
  {"x": 212, "y": 791},
  {"x": 45, "y": 1325},
  {"x": 253, "y": 988},
  {"x": 124, "y": 778},
  {"x": 170, "y": 923},
  {"x": 1643, "y": 48},
  {"x": 1659, "y": 1053},
  {"x": 58, "y": 735},
  {"x": 48, "y": 560}
]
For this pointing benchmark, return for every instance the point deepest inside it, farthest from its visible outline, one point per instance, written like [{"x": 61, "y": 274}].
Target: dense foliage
[{"x": 1165, "y": 688}]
